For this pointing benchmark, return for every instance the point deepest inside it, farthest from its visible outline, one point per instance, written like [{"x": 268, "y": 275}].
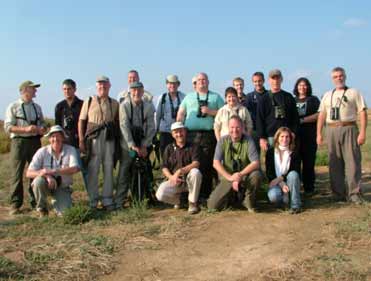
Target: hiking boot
[
  {"x": 14, "y": 211},
  {"x": 193, "y": 208}
]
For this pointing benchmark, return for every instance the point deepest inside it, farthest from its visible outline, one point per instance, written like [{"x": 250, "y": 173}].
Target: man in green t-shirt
[{"x": 237, "y": 162}]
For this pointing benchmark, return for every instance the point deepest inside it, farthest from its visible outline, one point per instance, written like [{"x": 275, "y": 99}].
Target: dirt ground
[{"x": 235, "y": 245}]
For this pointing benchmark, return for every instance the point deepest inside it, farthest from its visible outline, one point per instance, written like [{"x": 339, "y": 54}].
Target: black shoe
[{"x": 293, "y": 211}]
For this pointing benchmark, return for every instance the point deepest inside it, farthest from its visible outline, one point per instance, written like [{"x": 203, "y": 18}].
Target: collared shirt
[
  {"x": 349, "y": 106},
  {"x": 176, "y": 157},
  {"x": 242, "y": 152},
  {"x": 223, "y": 115},
  {"x": 251, "y": 103},
  {"x": 100, "y": 110},
  {"x": 131, "y": 116},
  {"x": 164, "y": 111},
  {"x": 191, "y": 107},
  {"x": 45, "y": 158},
  {"x": 67, "y": 117},
  {"x": 125, "y": 95},
  {"x": 22, "y": 114}
]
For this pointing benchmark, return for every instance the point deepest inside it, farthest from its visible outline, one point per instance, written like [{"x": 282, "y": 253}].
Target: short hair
[
  {"x": 306, "y": 81},
  {"x": 236, "y": 117},
  {"x": 230, "y": 90},
  {"x": 238, "y": 79},
  {"x": 133, "y": 71},
  {"x": 69, "y": 82},
  {"x": 279, "y": 132},
  {"x": 338, "y": 69},
  {"x": 259, "y": 73}
]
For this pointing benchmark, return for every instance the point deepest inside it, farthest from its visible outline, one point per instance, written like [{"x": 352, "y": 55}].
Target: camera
[
  {"x": 110, "y": 130},
  {"x": 201, "y": 103},
  {"x": 279, "y": 112},
  {"x": 236, "y": 165},
  {"x": 334, "y": 113},
  {"x": 174, "y": 112},
  {"x": 34, "y": 122},
  {"x": 137, "y": 134},
  {"x": 58, "y": 180},
  {"x": 68, "y": 123}
]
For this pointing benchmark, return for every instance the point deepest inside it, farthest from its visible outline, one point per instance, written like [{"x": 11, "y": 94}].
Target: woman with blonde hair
[{"x": 282, "y": 169}]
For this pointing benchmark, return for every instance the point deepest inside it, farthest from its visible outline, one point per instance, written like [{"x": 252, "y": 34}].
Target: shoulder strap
[{"x": 163, "y": 100}]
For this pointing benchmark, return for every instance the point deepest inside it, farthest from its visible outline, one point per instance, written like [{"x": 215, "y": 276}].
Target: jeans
[{"x": 276, "y": 195}]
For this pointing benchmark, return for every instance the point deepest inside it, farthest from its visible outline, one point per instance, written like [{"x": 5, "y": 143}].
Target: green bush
[
  {"x": 322, "y": 158},
  {"x": 78, "y": 214}
]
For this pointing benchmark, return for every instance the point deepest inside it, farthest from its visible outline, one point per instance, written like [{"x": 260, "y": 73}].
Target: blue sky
[{"x": 48, "y": 41}]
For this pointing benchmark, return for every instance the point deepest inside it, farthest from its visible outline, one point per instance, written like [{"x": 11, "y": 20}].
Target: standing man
[
  {"x": 24, "y": 122},
  {"x": 138, "y": 129},
  {"x": 198, "y": 110},
  {"x": 339, "y": 109},
  {"x": 167, "y": 109},
  {"x": 98, "y": 126},
  {"x": 275, "y": 109},
  {"x": 180, "y": 167},
  {"x": 52, "y": 168},
  {"x": 67, "y": 114},
  {"x": 237, "y": 163},
  {"x": 133, "y": 76},
  {"x": 239, "y": 84}
]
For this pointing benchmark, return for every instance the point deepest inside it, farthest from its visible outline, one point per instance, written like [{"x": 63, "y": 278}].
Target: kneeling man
[
  {"x": 237, "y": 162},
  {"x": 180, "y": 166},
  {"x": 52, "y": 168}
]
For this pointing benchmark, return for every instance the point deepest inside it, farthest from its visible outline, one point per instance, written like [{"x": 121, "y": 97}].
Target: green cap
[
  {"x": 28, "y": 83},
  {"x": 136, "y": 85},
  {"x": 102, "y": 78}
]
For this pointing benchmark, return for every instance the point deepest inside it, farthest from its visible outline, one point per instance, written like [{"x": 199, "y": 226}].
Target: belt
[{"x": 342, "y": 124}]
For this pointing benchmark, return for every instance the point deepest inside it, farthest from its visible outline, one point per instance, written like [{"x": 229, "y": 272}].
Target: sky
[{"x": 49, "y": 41}]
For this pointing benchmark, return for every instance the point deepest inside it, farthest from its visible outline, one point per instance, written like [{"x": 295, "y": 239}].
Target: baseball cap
[
  {"x": 28, "y": 83},
  {"x": 177, "y": 125},
  {"x": 102, "y": 78},
  {"x": 136, "y": 84}
]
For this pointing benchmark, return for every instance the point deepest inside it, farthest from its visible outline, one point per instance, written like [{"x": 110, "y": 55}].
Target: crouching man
[
  {"x": 52, "y": 168},
  {"x": 180, "y": 166},
  {"x": 237, "y": 162}
]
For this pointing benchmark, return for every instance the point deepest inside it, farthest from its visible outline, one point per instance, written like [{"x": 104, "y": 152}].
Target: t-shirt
[
  {"x": 242, "y": 152},
  {"x": 307, "y": 107},
  {"x": 165, "y": 110},
  {"x": 100, "y": 110},
  {"x": 176, "y": 157},
  {"x": 223, "y": 115},
  {"x": 349, "y": 106},
  {"x": 191, "y": 106},
  {"x": 45, "y": 158}
]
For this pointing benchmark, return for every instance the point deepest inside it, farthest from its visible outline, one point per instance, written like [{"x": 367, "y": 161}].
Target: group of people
[{"x": 209, "y": 147}]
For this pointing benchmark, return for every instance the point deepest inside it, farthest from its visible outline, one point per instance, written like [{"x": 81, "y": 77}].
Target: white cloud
[{"x": 355, "y": 22}]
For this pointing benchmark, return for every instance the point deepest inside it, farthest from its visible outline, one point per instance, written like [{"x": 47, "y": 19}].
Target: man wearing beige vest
[{"x": 339, "y": 109}]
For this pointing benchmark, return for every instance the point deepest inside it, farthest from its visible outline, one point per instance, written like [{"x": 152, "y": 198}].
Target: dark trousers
[
  {"x": 206, "y": 141},
  {"x": 21, "y": 152},
  {"x": 165, "y": 140},
  {"x": 307, "y": 151}
]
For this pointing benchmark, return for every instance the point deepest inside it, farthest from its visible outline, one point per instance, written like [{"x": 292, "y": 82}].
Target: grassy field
[{"x": 327, "y": 242}]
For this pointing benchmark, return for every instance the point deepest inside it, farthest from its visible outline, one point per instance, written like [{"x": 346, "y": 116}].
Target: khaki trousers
[
  {"x": 169, "y": 193},
  {"x": 344, "y": 160}
]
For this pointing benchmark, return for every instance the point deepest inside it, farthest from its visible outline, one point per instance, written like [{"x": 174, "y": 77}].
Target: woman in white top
[{"x": 232, "y": 107}]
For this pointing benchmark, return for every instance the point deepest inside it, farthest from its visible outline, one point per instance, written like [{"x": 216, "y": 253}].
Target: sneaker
[
  {"x": 356, "y": 199},
  {"x": 14, "y": 211},
  {"x": 251, "y": 210},
  {"x": 293, "y": 211},
  {"x": 193, "y": 209},
  {"x": 177, "y": 206}
]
